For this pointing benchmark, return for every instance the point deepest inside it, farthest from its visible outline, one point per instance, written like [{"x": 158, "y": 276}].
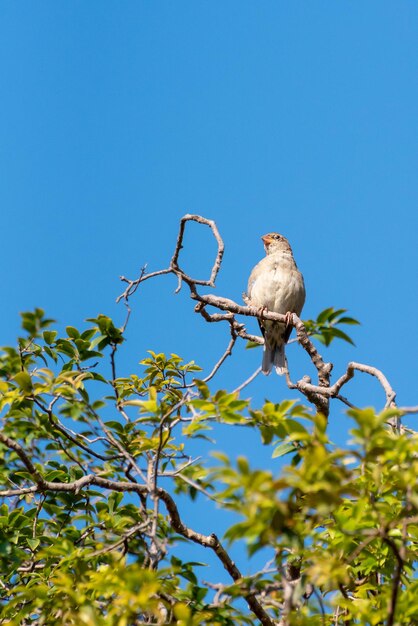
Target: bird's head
[{"x": 273, "y": 242}]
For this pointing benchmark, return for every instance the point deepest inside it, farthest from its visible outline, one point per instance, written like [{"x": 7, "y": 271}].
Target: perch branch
[{"x": 318, "y": 394}]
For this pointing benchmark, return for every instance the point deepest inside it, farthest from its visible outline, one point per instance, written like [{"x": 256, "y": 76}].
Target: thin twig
[
  {"x": 248, "y": 381},
  {"x": 141, "y": 526}
]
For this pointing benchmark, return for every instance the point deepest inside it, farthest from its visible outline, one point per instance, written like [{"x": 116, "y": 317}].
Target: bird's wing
[{"x": 259, "y": 282}]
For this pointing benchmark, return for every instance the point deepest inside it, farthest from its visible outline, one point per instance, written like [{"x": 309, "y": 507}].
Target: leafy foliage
[
  {"x": 90, "y": 532},
  {"x": 325, "y": 327}
]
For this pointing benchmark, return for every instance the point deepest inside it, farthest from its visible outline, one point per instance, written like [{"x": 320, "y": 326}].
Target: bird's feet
[
  {"x": 261, "y": 311},
  {"x": 289, "y": 319}
]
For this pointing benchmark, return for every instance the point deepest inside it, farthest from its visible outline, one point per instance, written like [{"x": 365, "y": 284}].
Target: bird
[{"x": 276, "y": 285}]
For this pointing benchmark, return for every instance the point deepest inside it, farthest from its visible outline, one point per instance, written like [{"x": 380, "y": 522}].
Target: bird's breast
[{"x": 279, "y": 288}]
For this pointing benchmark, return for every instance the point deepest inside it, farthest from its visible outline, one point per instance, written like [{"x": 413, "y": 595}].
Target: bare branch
[
  {"x": 407, "y": 409},
  {"x": 174, "y": 267},
  {"x": 217, "y": 264},
  {"x": 134, "y": 284},
  {"x": 248, "y": 381},
  {"x": 318, "y": 394},
  {"x": 306, "y": 387},
  {"x": 218, "y": 364}
]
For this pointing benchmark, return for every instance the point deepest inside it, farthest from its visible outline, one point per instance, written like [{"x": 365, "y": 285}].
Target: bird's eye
[{"x": 276, "y": 236}]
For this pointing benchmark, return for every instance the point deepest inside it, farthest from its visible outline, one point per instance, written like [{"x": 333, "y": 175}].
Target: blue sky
[{"x": 301, "y": 117}]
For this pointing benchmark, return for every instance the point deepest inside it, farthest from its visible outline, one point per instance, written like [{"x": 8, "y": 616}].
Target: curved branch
[
  {"x": 306, "y": 387},
  {"x": 319, "y": 394},
  {"x": 218, "y": 260},
  {"x": 174, "y": 267},
  {"x": 24, "y": 457}
]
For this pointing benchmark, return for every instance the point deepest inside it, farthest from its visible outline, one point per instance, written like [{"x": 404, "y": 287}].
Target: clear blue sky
[{"x": 301, "y": 117}]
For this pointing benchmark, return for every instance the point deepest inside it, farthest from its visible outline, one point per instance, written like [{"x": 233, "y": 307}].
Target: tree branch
[{"x": 319, "y": 394}]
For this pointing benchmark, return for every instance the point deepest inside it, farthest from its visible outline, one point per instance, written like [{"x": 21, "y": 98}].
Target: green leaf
[
  {"x": 342, "y": 335},
  {"x": 24, "y": 381},
  {"x": 88, "y": 334},
  {"x": 332, "y": 316},
  {"x": 252, "y": 344},
  {"x": 72, "y": 332},
  {"x": 282, "y": 449},
  {"x": 243, "y": 465},
  {"x": 66, "y": 347},
  {"x": 348, "y": 320},
  {"x": 203, "y": 388},
  {"x": 324, "y": 315},
  {"x": 49, "y": 336}
]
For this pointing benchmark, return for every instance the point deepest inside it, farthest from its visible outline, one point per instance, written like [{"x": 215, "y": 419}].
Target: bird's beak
[{"x": 266, "y": 240}]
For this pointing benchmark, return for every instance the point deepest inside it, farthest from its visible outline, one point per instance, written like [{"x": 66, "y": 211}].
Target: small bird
[{"x": 276, "y": 285}]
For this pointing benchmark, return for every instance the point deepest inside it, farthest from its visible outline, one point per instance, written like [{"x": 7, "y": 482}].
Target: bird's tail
[
  {"x": 273, "y": 355},
  {"x": 280, "y": 360}
]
